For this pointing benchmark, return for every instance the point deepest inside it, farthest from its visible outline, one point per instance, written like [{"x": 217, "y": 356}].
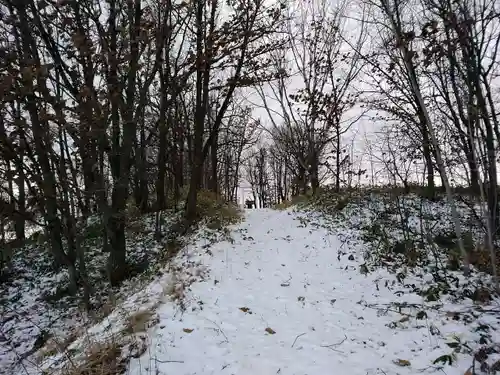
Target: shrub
[
  {"x": 216, "y": 212},
  {"x": 181, "y": 199},
  {"x": 93, "y": 231},
  {"x": 102, "y": 359},
  {"x": 297, "y": 200},
  {"x": 132, "y": 212}
]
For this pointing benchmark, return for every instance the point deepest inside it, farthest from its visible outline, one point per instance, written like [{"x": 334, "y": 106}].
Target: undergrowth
[
  {"x": 400, "y": 228},
  {"x": 37, "y": 308},
  {"x": 412, "y": 236},
  {"x": 215, "y": 212},
  {"x": 297, "y": 200}
]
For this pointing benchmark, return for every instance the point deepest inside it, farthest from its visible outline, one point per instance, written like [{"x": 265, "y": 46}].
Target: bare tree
[
  {"x": 392, "y": 12},
  {"x": 310, "y": 121},
  {"x": 239, "y": 46}
]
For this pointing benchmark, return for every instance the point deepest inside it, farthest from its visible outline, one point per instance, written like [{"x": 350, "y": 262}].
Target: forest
[{"x": 114, "y": 109}]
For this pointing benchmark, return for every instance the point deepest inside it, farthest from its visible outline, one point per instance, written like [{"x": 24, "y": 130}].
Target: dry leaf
[
  {"x": 404, "y": 319},
  {"x": 402, "y": 362},
  {"x": 188, "y": 330},
  {"x": 270, "y": 331},
  {"x": 245, "y": 310},
  {"x": 468, "y": 372}
]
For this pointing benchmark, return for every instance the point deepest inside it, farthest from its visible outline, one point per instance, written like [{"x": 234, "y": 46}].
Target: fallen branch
[
  {"x": 172, "y": 361},
  {"x": 331, "y": 346},
  {"x": 294, "y": 341},
  {"x": 219, "y": 329},
  {"x": 287, "y": 282}
]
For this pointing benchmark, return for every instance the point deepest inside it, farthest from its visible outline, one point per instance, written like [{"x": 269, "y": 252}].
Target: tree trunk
[
  {"x": 117, "y": 263},
  {"x": 202, "y": 85},
  {"x": 20, "y": 221},
  {"x": 338, "y": 156},
  {"x": 314, "y": 174},
  {"x": 214, "y": 164},
  {"x": 429, "y": 164},
  {"x": 40, "y": 136}
]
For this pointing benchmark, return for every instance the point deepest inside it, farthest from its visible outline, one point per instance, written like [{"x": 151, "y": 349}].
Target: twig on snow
[
  {"x": 331, "y": 346},
  {"x": 386, "y": 307},
  {"x": 287, "y": 282},
  {"x": 484, "y": 311},
  {"x": 218, "y": 328},
  {"x": 172, "y": 361},
  {"x": 435, "y": 368},
  {"x": 296, "y": 338}
]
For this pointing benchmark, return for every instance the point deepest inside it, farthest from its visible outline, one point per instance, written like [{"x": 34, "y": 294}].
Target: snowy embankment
[
  {"x": 38, "y": 315},
  {"x": 288, "y": 293},
  {"x": 281, "y": 299}
]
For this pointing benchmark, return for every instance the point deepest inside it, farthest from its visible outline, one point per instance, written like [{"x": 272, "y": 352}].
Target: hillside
[{"x": 337, "y": 283}]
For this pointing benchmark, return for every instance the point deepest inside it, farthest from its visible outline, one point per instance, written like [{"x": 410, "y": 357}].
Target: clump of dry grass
[
  {"x": 140, "y": 321},
  {"x": 296, "y": 200},
  {"x": 55, "y": 345},
  {"x": 215, "y": 211},
  {"x": 111, "y": 357},
  {"x": 105, "y": 356},
  {"x": 99, "y": 359}
]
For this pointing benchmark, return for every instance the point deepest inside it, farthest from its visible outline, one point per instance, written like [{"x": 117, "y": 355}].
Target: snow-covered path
[{"x": 312, "y": 304}]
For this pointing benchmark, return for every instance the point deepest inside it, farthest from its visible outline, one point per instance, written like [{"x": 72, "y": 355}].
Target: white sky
[
  {"x": 364, "y": 139},
  {"x": 363, "y": 129}
]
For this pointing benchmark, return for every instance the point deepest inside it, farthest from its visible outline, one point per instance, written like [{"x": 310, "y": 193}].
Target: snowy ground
[
  {"x": 34, "y": 299},
  {"x": 287, "y": 297},
  {"x": 286, "y": 292}
]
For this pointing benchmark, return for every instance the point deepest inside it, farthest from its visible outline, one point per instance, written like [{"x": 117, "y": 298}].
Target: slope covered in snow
[
  {"x": 35, "y": 302},
  {"x": 286, "y": 295},
  {"x": 359, "y": 284}
]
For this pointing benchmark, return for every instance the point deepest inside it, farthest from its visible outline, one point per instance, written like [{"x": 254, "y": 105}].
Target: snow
[
  {"x": 321, "y": 313},
  {"x": 33, "y": 296},
  {"x": 296, "y": 292}
]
